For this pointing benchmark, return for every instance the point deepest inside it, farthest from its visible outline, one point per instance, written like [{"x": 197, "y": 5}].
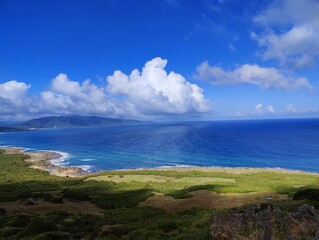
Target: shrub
[
  {"x": 19, "y": 221},
  {"x": 54, "y": 236},
  {"x": 76, "y": 195},
  {"x": 40, "y": 225},
  {"x": 309, "y": 194}
]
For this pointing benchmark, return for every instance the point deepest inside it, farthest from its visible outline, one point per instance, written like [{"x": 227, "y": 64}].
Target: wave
[
  {"x": 60, "y": 158},
  {"x": 87, "y": 159},
  {"x": 178, "y": 166},
  {"x": 84, "y": 167}
]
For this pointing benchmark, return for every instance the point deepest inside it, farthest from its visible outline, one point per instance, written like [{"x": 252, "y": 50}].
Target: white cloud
[
  {"x": 290, "y": 32},
  {"x": 251, "y": 74},
  {"x": 14, "y": 97},
  {"x": 13, "y": 90},
  {"x": 70, "y": 97},
  {"x": 149, "y": 93},
  {"x": 271, "y": 109},
  {"x": 259, "y": 108},
  {"x": 155, "y": 91}
]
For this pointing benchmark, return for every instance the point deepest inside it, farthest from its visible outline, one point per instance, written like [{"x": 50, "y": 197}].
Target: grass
[{"x": 118, "y": 194}]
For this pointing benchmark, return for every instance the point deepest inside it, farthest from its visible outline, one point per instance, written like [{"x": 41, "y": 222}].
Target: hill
[
  {"x": 172, "y": 204},
  {"x": 73, "y": 121}
]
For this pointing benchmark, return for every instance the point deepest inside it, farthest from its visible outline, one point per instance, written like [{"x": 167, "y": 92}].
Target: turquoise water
[{"x": 290, "y": 144}]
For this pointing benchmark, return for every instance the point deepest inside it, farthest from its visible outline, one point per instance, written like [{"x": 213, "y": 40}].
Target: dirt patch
[
  {"x": 209, "y": 199},
  {"x": 83, "y": 207}
]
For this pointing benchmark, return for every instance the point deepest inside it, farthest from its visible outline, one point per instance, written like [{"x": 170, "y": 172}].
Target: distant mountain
[{"x": 73, "y": 121}]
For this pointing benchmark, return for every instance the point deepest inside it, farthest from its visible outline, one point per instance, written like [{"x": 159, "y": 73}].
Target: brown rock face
[{"x": 265, "y": 223}]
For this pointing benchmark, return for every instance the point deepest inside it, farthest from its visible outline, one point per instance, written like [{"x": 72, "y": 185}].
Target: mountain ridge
[{"x": 73, "y": 121}]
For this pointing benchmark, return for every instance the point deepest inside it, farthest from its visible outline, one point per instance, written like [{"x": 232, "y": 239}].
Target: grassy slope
[{"x": 119, "y": 199}]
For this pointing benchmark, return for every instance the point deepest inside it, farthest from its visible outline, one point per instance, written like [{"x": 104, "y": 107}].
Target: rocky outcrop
[{"x": 264, "y": 222}]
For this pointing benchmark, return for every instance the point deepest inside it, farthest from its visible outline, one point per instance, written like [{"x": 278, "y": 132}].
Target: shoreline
[{"x": 45, "y": 160}]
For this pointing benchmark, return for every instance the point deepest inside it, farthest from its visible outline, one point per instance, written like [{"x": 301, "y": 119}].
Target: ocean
[{"x": 289, "y": 144}]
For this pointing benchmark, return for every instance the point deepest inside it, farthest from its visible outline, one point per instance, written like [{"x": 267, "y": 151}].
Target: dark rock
[
  {"x": 306, "y": 211},
  {"x": 258, "y": 222},
  {"x": 316, "y": 237},
  {"x": 3, "y": 212}
]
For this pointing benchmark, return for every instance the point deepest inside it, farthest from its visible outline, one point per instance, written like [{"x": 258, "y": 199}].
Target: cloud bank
[
  {"x": 251, "y": 74},
  {"x": 151, "y": 92}
]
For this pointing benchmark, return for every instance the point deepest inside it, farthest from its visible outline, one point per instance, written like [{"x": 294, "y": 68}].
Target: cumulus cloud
[
  {"x": 259, "y": 108},
  {"x": 148, "y": 93},
  {"x": 251, "y": 74},
  {"x": 68, "y": 97},
  {"x": 155, "y": 91},
  {"x": 14, "y": 97},
  {"x": 271, "y": 109},
  {"x": 13, "y": 90},
  {"x": 290, "y": 32}
]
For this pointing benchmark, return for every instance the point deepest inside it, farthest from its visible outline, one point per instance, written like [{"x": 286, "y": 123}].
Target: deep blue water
[{"x": 290, "y": 144}]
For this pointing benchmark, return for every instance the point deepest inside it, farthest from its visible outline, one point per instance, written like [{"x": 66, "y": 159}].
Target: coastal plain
[{"x": 162, "y": 203}]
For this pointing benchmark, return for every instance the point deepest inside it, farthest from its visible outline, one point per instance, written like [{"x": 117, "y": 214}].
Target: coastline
[{"x": 47, "y": 161}]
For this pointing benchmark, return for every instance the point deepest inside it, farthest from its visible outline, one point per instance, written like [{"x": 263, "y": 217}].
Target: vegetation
[{"x": 36, "y": 205}]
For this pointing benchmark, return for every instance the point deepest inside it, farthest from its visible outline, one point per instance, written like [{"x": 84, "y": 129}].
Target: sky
[{"x": 159, "y": 59}]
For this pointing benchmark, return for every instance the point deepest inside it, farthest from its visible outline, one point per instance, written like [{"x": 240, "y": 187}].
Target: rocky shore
[{"x": 44, "y": 160}]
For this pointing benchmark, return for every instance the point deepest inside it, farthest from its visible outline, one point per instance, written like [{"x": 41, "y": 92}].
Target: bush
[
  {"x": 19, "y": 221},
  {"x": 143, "y": 234},
  {"x": 9, "y": 232},
  {"x": 54, "y": 236},
  {"x": 40, "y": 225},
  {"x": 308, "y": 194},
  {"x": 168, "y": 226},
  {"x": 76, "y": 195}
]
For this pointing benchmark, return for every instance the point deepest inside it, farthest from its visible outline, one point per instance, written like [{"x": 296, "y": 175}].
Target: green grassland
[{"x": 110, "y": 201}]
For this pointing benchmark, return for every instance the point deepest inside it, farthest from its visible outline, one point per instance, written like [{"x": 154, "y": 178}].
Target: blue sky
[{"x": 222, "y": 59}]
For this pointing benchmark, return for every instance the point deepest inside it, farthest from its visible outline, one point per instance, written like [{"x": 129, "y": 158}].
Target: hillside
[
  {"x": 73, "y": 121},
  {"x": 155, "y": 204}
]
